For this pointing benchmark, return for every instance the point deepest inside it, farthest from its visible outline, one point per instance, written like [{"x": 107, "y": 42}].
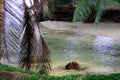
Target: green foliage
[
  {"x": 50, "y": 7},
  {"x": 114, "y": 2},
  {"x": 30, "y": 75},
  {"x": 103, "y": 77},
  {"x": 115, "y": 76},
  {"x": 99, "y": 9},
  {"x": 83, "y": 10},
  {"x": 30, "y": 78},
  {"x": 86, "y": 7}
]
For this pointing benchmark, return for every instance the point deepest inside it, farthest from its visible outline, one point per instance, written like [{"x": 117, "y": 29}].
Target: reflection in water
[
  {"x": 69, "y": 48},
  {"x": 105, "y": 47},
  {"x": 69, "y": 51}
]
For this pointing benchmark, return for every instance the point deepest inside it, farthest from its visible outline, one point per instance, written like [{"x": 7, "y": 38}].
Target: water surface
[{"x": 97, "y": 53}]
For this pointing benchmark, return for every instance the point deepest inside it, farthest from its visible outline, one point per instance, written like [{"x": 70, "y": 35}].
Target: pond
[{"x": 97, "y": 53}]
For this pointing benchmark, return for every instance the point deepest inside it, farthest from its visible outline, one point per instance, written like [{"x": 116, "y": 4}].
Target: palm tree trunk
[{"x": 1, "y": 19}]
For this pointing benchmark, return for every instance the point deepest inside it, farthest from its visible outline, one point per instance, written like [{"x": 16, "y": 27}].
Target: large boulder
[{"x": 74, "y": 65}]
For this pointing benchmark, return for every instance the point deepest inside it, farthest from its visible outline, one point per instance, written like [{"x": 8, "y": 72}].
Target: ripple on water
[
  {"x": 100, "y": 56},
  {"x": 106, "y": 50},
  {"x": 68, "y": 49},
  {"x": 104, "y": 44}
]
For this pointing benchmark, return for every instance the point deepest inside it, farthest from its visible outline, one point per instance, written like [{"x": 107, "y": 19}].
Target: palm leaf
[
  {"x": 27, "y": 43},
  {"x": 44, "y": 60},
  {"x": 100, "y": 7},
  {"x": 37, "y": 52},
  {"x": 12, "y": 28},
  {"x": 22, "y": 42},
  {"x": 83, "y": 10},
  {"x": 49, "y": 8},
  {"x": 114, "y": 2},
  {"x": 38, "y": 8},
  {"x": 86, "y": 7}
]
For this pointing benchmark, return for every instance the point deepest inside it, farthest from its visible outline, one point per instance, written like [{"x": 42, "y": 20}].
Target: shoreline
[{"x": 111, "y": 30}]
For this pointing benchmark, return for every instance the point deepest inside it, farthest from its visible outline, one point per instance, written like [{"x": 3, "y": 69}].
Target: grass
[
  {"x": 30, "y": 75},
  {"x": 13, "y": 69},
  {"x": 115, "y": 76},
  {"x": 48, "y": 77}
]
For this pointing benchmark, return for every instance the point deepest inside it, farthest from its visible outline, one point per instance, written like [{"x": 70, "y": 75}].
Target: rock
[{"x": 74, "y": 65}]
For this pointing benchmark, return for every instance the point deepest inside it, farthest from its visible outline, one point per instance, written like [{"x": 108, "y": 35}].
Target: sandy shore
[{"x": 102, "y": 29}]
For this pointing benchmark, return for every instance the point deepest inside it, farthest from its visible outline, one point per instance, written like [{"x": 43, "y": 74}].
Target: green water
[{"x": 97, "y": 53}]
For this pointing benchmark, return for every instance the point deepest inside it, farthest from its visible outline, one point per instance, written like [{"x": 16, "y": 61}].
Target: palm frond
[
  {"x": 38, "y": 7},
  {"x": 49, "y": 8},
  {"x": 84, "y": 9},
  {"x": 44, "y": 58},
  {"x": 28, "y": 43},
  {"x": 100, "y": 7},
  {"x": 22, "y": 42},
  {"x": 11, "y": 32},
  {"x": 114, "y": 2},
  {"x": 34, "y": 49}
]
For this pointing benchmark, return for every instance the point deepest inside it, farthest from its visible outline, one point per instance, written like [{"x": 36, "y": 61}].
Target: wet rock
[{"x": 74, "y": 65}]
